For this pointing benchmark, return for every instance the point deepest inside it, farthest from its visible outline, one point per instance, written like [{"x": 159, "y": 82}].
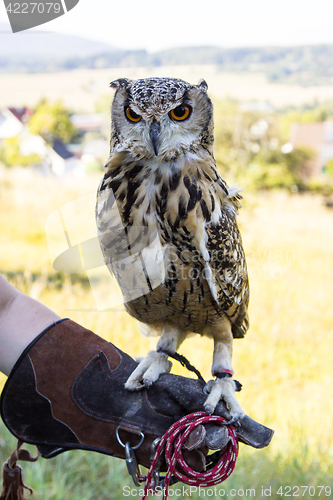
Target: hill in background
[
  {"x": 40, "y": 52},
  {"x": 20, "y": 51}
]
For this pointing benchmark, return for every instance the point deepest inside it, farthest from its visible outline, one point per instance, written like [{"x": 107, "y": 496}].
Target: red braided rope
[{"x": 173, "y": 441}]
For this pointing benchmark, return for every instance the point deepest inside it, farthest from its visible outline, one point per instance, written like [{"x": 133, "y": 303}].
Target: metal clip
[
  {"x": 156, "y": 472},
  {"x": 159, "y": 480},
  {"x": 153, "y": 448},
  {"x": 131, "y": 462}
]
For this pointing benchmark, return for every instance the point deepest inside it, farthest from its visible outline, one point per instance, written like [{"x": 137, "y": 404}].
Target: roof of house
[
  {"x": 60, "y": 148},
  {"x": 10, "y": 125},
  {"x": 22, "y": 114}
]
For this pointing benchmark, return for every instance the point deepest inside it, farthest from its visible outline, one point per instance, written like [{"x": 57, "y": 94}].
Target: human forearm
[{"x": 21, "y": 320}]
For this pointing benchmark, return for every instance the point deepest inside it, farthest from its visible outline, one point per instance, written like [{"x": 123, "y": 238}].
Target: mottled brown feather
[{"x": 181, "y": 199}]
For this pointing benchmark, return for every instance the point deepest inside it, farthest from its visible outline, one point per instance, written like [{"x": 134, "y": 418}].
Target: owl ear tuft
[
  {"x": 121, "y": 82},
  {"x": 203, "y": 85}
]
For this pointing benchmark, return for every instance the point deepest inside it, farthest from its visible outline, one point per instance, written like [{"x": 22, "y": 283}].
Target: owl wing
[
  {"x": 130, "y": 248},
  {"x": 210, "y": 220},
  {"x": 229, "y": 270}
]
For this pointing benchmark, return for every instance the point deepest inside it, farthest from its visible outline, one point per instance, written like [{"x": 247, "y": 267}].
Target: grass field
[
  {"x": 284, "y": 363},
  {"x": 80, "y": 89}
]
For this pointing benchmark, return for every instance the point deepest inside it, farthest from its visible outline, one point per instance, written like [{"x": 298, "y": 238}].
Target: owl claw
[
  {"x": 134, "y": 385},
  {"x": 209, "y": 409},
  {"x": 148, "y": 371},
  {"x": 234, "y": 419},
  {"x": 225, "y": 389},
  {"x": 208, "y": 387}
]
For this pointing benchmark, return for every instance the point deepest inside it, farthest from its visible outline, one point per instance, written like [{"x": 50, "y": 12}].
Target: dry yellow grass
[
  {"x": 284, "y": 362},
  {"x": 80, "y": 89},
  {"x": 287, "y": 356}
]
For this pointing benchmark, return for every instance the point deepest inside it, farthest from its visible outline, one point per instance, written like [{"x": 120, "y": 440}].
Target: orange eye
[
  {"x": 132, "y": 115},
  {"x": 181, "y": 112}
]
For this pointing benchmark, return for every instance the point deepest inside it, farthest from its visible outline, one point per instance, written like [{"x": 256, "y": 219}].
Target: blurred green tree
[
  {"x": 250, "y": 147},
  {"x": 52, "y": 120},
  {"x": 11, "y": 155}
]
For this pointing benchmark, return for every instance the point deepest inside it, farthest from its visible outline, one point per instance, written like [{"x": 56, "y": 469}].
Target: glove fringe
[
  {"x": 12, "y": 480},
  {"x": 12, "y": 483}
]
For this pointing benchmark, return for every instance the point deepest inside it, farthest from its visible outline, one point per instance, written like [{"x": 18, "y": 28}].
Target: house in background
[
  {"x": 317, "y": 136},
  {"x": 13, "y": 121},
  {"x": 93, "y": 139},
  {"x": 84, "y": 123},
  {"x": 61, "y": 160},
  {"x": 55, "y": 158}
]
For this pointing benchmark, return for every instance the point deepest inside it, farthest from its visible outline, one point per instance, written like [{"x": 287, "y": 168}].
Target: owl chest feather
[
  {"x": 176, "y": 203},
  {"x": 174, "y": 199}
]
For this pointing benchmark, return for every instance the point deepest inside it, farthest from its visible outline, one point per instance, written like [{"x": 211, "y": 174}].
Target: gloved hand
[{"x": 66, "y": 392}]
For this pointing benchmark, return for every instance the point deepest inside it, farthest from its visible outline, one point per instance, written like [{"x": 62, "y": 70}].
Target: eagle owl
[{"x": 167, "y": 227}]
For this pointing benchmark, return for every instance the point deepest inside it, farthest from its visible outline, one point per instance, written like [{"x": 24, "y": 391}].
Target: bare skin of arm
[{"x": 21, "y": 320}]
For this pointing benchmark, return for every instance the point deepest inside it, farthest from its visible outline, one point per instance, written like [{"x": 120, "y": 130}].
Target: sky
[{"x": 156, "y": 25}]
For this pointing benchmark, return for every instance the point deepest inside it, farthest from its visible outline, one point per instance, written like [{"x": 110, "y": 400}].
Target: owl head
[{"x": 161, "y": 117}]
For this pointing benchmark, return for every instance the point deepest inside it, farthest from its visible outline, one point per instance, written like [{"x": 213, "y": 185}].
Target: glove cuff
[{"x": 66, "y": 391}]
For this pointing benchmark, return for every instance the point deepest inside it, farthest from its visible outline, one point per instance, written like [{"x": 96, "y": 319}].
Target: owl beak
[{"x": 154, "y": 133}]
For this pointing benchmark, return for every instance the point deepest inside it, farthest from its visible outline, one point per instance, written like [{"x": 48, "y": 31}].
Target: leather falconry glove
[{"x": 66, "y": 391}]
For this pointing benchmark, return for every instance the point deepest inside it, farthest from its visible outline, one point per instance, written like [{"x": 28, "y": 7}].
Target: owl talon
[
  {"x": 234, "y": 419},
  {"x": 225, "y": 389},
  {"x": 134, "y": 386},
  {"x": 148, "y": 371},
  {"x": 209, "y": 409},
  {"x": 208, "y": 387}
]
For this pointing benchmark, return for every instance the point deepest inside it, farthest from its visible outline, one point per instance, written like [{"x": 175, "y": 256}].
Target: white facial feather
[{"x": 153, "y": 102}]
